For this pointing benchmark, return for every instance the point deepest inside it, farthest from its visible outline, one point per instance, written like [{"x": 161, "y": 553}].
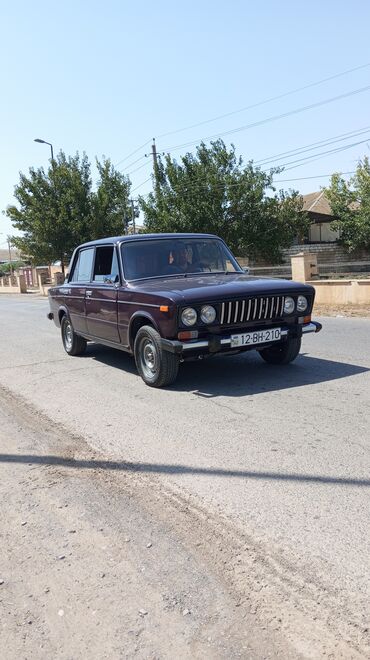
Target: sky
[{"x": 106, "y": 77}]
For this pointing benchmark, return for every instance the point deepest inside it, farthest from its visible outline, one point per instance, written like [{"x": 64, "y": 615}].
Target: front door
[
  {"x": 76, "y": 289},
  {"x": 101, "y": 295}
]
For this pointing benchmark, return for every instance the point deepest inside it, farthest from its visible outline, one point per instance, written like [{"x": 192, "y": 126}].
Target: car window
[
  {"x": 106, "y": 265},
  {"x": 83, "y": 267},
  {"x": 163, "y": 257}
]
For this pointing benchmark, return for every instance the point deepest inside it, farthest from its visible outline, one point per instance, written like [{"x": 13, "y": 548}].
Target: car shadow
[{"x": 238, "y": 375}]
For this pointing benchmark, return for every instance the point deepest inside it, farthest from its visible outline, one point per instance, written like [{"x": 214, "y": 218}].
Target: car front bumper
[{"x": 217, "y": 343}]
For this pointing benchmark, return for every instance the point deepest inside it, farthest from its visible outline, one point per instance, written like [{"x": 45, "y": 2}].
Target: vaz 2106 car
[{"x": 166, "y": 298}]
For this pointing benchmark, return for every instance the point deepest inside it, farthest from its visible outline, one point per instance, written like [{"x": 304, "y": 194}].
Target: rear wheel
[
  {"x": 156, "y": 366},
  {"x": 73, "y": 344},
  {"x": 283, "y": 353}
]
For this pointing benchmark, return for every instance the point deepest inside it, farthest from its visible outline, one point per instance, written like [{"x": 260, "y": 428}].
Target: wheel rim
[
  {"x": 148, "y": 358},
  {"x": 68, "y": 335}
]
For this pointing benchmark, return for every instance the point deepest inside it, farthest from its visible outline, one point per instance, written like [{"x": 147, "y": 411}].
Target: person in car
[{"x": 180, "y": 262}]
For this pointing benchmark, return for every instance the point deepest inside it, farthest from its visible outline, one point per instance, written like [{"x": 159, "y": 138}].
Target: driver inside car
[{"x": 179, "y": 263}]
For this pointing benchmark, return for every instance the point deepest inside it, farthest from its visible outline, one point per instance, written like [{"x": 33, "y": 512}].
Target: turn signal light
[
  {"x": 163, "y": 308},
  {"x": 188, "y": 334},
  {"x": 307, "y": 319}
]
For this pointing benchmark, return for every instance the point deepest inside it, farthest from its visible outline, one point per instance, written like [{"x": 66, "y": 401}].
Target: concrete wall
[
  {"x": 342, "y": 292},
  {"x": 330, "y": 292},
  {"x": 13, "y": 284}
]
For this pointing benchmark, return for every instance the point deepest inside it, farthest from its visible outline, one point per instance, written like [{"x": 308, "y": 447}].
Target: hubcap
[
  {"x": 68, "y": 335},
  {"x": 148, "y": 358}
]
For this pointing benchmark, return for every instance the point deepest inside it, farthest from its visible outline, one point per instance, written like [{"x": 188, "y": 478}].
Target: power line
[
  {"x": 133, "y": 163},
  {"x": 261, "y": 122},
  {"x": 132, "y": 153},
  {"x": 294, "y": 164},
  {"x": 269, "y": 100},
  {"x": 314, "y": 157},
  {"x": 297, "y": 163},
  {"x": 254, "y": 105},
  {"x": 313, "y": 145},
  {"x": 232, "y": 185},
  {"x": 139, "y": 168},
  {"x": 141, "y": 184},
  {"x": 305, "y": 178}
]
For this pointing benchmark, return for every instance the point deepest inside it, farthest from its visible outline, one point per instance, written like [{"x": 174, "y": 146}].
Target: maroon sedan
[{"x": 166, "y": 298}]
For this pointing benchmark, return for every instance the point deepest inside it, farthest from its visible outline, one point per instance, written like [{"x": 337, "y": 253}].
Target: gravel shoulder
[{"x": 354, "y": 311}]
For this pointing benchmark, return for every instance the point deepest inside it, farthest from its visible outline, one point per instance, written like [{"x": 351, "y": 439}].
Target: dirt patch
[{"x": 361, "y": 311}]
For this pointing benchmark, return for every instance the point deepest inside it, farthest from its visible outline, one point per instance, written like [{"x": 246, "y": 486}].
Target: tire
[
  {"x": 156, "y": 367},
  {"x": 283, "y": 353},
  {"x": 73, "y": 344}
]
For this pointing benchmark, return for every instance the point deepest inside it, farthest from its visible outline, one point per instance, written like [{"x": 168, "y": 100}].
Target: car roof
[{"x": 143, "y": 237}]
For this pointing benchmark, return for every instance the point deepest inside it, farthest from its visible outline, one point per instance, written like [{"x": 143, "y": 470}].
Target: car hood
[{"x": 194, "y": 288}]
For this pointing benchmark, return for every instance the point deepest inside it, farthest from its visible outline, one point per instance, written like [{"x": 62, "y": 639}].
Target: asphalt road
[{"x": 281, "y": 452}]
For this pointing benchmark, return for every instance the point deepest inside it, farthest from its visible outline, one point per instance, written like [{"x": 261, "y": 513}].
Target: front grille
[{"x": 251, "y": 309}]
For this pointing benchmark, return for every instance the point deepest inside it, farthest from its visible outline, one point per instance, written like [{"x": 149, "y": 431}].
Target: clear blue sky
[{"x": 105, "y": 77}]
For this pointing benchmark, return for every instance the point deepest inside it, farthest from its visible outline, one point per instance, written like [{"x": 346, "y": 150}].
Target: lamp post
[{"x": 49, "y": 143}]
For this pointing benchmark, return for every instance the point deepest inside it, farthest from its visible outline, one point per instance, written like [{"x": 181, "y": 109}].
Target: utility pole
[
  {"x": 155, "y": 165},
  {"x": 134, "y": 213}
]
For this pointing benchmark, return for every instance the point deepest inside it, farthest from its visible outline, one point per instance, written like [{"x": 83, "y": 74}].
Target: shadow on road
[
  {"x": 159, "y": 468},
  {"x": 239, "y": 375}
]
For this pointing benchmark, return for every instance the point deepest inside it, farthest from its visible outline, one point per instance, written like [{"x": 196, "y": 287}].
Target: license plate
[{"x": 257, "y": 337}]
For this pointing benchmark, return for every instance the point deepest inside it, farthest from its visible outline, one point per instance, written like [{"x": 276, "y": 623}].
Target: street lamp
[{"x": 50, "y": 145}]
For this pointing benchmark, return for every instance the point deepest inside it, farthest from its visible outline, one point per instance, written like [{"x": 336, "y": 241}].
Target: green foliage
[
  {"x": 7, "y": 267},
  {"x": 213, "y": 192},
  {"x": 58, "y": 209},
  {"x": 350, "y": 203},
  {"x": 110, "y": 203}
]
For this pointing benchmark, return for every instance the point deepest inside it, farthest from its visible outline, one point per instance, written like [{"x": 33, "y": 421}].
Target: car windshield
[{"x": 148, "y": 258}]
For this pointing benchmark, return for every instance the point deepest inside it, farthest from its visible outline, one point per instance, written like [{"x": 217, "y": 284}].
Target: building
[{"x": 318, "y": 210}]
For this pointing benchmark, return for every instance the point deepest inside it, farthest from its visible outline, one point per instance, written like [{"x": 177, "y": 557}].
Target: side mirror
[{"x": 246, "y": 269}]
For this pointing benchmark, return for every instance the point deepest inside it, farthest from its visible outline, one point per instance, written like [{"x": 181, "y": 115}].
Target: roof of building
[{"x": 317, "y": 202}]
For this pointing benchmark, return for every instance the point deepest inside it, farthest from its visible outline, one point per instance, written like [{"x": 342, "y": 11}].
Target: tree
[
  {"x": 350, "y": 203},
  {"x": 213, "y": 192},
  {"x": 111, "y": 211},
  {"x": 58, "y": 209},
  {"x": 54, "y": 209}
]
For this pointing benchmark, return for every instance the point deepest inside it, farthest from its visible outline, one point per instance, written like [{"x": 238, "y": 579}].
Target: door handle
[{"x": 89, "y": 293}]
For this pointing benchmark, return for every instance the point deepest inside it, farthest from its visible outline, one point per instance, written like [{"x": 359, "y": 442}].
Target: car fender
[
  {"x": 145, "y": 315},
  {"x": 62, "y": 310}
]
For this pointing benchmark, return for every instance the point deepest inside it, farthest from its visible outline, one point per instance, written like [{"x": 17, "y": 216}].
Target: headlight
[
  {"x": 302, "y": 304},
  {"x": 288, "y": 305},
  {"x": 188, "y": 316},
  {"x": 208, "y": 314}
]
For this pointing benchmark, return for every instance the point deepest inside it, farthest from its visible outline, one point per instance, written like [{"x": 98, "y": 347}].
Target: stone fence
[
  {"x": 17, "y": 283},
  {"x": 330, "y": 292},
  {"x": 13, "y": 284}
]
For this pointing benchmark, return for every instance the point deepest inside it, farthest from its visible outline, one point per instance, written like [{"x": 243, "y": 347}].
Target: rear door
[
  {"x": 101, "y": 295},
  {"x": 76, "y": 290}
]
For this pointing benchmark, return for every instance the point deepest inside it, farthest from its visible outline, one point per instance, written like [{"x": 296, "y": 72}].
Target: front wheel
[
  {"x": 156, "y": 366},
  {"x": 73, "y": 344},
  {"x": 283, "y": 353}
]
